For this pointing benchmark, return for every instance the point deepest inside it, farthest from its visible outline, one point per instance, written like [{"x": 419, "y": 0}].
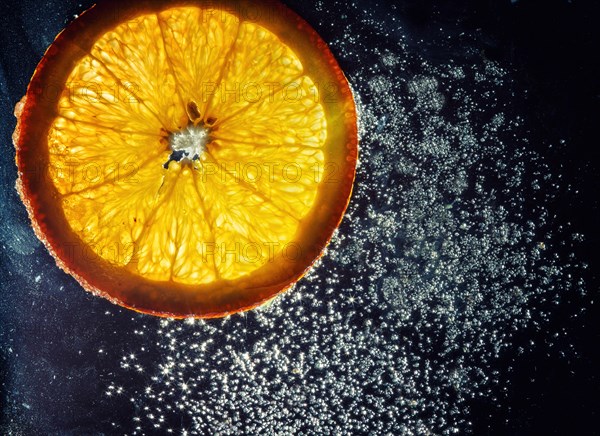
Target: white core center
[{"x": 191, "y": 141}]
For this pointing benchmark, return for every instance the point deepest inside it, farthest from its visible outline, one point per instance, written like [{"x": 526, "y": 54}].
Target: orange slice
[{"x": 186, "y": 158}]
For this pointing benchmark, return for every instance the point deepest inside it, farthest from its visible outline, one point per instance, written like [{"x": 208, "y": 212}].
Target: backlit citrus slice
[{"x": 186, "y": 158}]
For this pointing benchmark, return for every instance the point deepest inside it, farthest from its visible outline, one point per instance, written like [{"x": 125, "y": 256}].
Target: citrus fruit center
[{"x": 189, "y": 143}]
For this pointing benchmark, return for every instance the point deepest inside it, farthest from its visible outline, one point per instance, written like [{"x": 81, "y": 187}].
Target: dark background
[{"x": 553, "y": 47}]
